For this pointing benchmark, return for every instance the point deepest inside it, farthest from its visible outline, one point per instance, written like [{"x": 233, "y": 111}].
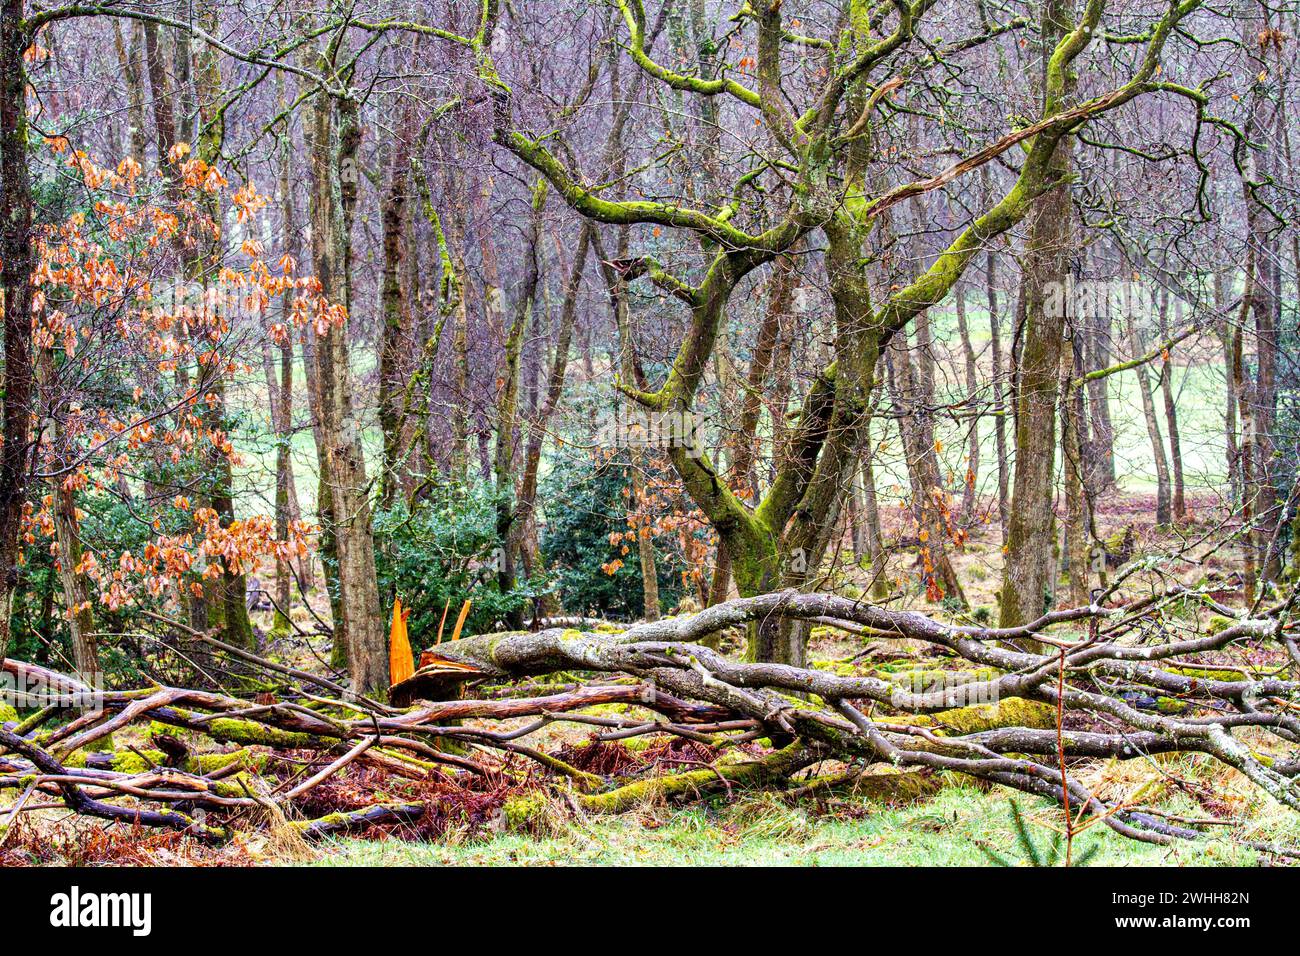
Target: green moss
[
  {"x": 892, "y": 787},
  {"x": 204, "y": 764},
  {"x": 838, "y": 668},
  {"x": 7, "y": 713},
  {"x": 606, "y": 710},
  {"x": 822, "y": 633},
  {"x": 280, "y": 627},
  {"x": 1218, "y": 623},
  {"x": 1207, "y": 673},
  {"x": 123, "y": 761},
  {"x": 529, "y": 813},
  {"x": 725, "y": 774},
  {"x": 922, "y": 679},
  {"x": 231, "y": 730},
  {"x": 1010, "y": 712},
  {"x": 237, "y": 785}
]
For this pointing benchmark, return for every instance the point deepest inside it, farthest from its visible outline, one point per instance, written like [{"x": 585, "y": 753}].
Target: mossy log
[
  {"x": 351, "y": 820},
  {"x": 773, "y": 769},
  {"x": 890, "y": 787},
  {"x": 144, "y": 759},
  {"x": 522, "y": 813},
  {"x": 1012, "y": 712}
]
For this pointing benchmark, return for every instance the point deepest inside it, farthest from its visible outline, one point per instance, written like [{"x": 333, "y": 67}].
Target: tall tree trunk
[
  {"x": 1073, "y": 466},
  {"x": 527, "y": 498},
  {"x": 783, "y": 282},
  {"x": 17, "y": 260},
  {"x": 279, "y": 383},
  {"x": 503, "y": 465},
  {"x": 1099, "y": 440},
  {"x": 871, "y": 522},
  {"x": 164, "y": 120},
  {"x": 393, "y": 333},
  {"x": 1028, "y": 577},
  {"x": 335, "y": 138},
  {"x": 1179, "y": 501},
  {"x": 76, "y": 593},
  {"x": 1163, "y": 511},
  {"x": 129, "y": 60},
  {"x": 915, "y": 427},
  {"x": 1226, "y": 337},
  {"x": 1258, "y": 167},
  {"x": 1245, "y": 400},
  {"x": 971, "y": 478},
  {"x": 228, "y": 607},
  {"x": 999, "y": 393}
]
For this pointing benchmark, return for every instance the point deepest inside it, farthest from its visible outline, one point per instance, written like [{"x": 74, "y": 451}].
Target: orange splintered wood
[
  {"x": 460, "y": 621},
  {"x": 434, "y": 660},
  {"x": 437, "y": 679},
  {"x": 401, "y": 664},
  {"x": 446, "y": 607}
]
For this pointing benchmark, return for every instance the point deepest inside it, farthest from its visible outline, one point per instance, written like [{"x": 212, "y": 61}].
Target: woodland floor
[{"x": 948, "y": 828}]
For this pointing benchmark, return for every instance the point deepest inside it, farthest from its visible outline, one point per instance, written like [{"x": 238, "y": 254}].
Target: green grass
[{"x": 759, "y": 831}]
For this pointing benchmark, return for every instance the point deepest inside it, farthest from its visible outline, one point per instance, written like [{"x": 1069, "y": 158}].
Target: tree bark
[
  {"x": 17, "y": 260},
  {"x": 1136, "y": 348},
  {"x": 1179, "y": 501},
  {"x": 971, "y": 478},
  {"x": 335, "y": 138},
  {"x": 393, "y": 331},
  {"x": 1028, "y": 578}
]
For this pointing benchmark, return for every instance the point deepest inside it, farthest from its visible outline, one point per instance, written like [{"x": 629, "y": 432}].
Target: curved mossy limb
[
  {"x": 922, "y": 679},
  {"x": 143, "y": 759},
  {"x": 121, "y": 761},
  {"x": 528, "y": 813},
  {"x": 204, "y": 764},
  {"x": 888, "y": 787},
  {"x": 772, "y": 769},
  {"x": 241, "y": 784},
  {"x": 586, "y": 781},
  {"x": 1008, "y": 712},
  {"x": 374, "y": 815},
  {"x": 235, "y": 731},
  {"x": 1207, "y": 673}
]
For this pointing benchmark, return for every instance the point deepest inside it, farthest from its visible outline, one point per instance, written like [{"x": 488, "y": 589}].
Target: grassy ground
[{"x": 946, "y": 830}]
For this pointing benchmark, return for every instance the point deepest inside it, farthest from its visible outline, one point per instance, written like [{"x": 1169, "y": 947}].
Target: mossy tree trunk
[
  {"x": 1028, "y": 577},
  {"x": 334, "y": 143}
]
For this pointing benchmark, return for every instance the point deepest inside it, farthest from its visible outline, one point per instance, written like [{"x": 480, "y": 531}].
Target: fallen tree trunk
[{"x": 1002, "y": 722}]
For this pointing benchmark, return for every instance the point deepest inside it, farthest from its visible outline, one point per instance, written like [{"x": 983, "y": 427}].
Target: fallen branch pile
[{"x": 1128, "y": 682}]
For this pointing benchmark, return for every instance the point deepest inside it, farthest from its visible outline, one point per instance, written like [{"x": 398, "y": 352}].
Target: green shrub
[
  {"x": 586, "y": 503},
  {"x": 438, "y": 553}
]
